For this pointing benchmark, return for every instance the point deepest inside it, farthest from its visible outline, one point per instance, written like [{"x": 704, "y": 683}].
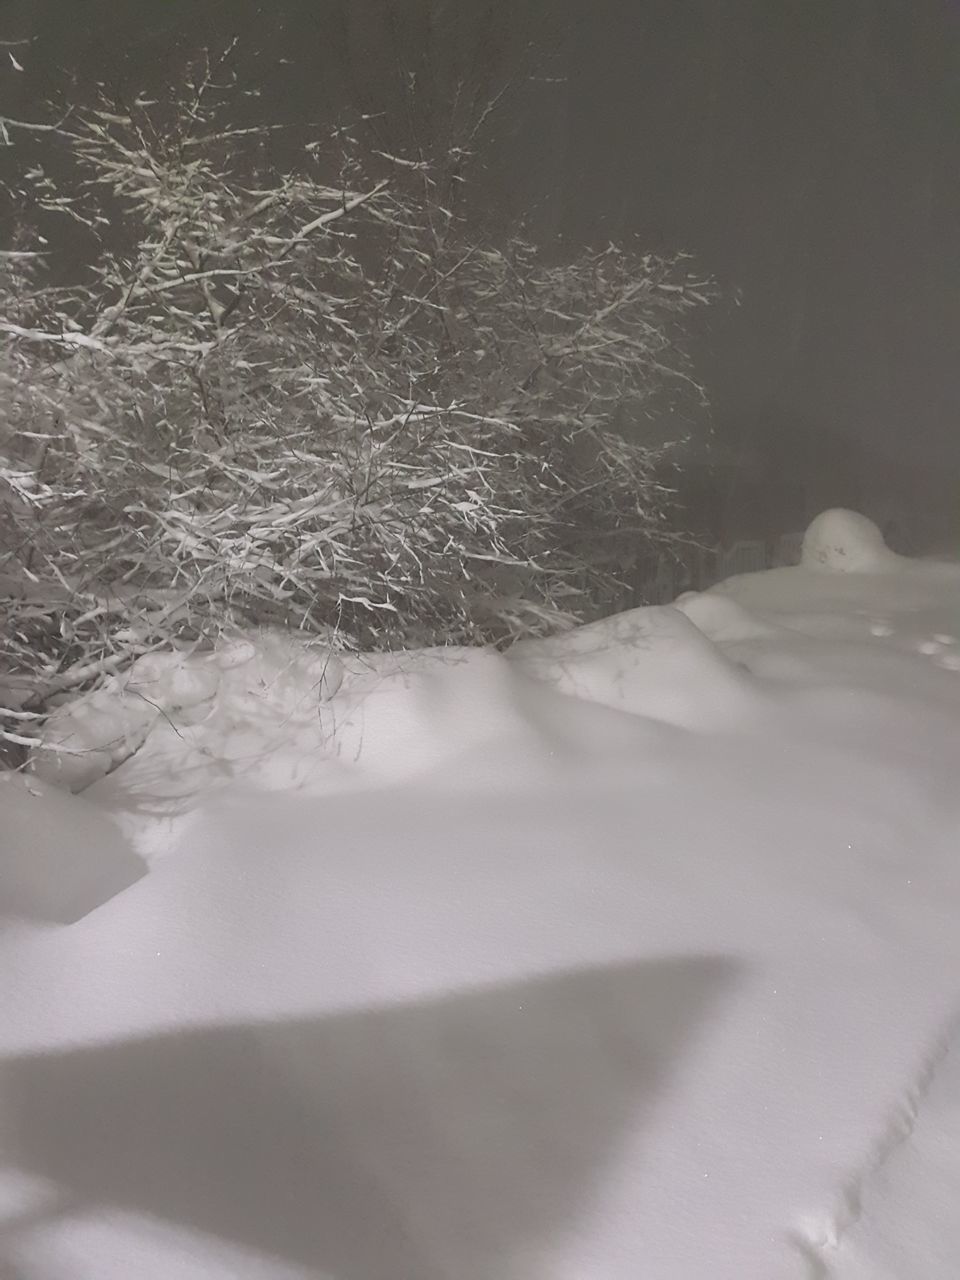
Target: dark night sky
[{"x": 807, "y": 151}]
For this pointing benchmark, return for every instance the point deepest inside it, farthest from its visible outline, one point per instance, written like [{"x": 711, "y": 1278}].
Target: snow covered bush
[
  {"x": 846, "y": 542},
  {"x": 295, "y": 384}
]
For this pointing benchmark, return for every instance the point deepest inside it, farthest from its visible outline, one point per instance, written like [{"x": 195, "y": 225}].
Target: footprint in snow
[{"x": 940, "y": 647}]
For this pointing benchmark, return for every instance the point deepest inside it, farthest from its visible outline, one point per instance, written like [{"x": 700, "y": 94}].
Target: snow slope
[{"x": 631, "y": 953}]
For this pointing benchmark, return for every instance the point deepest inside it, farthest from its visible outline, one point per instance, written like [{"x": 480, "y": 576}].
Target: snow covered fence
[{"x": 661, "y": 579}]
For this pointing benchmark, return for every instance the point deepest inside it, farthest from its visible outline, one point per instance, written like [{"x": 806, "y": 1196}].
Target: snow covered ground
[{"x": 628, "y": 954}]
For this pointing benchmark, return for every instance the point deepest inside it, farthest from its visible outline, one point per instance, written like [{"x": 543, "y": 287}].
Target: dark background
[{"x": 806, "y": 151}]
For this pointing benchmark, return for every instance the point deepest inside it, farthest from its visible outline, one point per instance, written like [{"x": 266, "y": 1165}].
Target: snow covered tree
[{"x": 293, "y": 383}]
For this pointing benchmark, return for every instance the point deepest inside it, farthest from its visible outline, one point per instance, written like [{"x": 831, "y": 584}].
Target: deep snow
[{"x": 631, "y": 953}]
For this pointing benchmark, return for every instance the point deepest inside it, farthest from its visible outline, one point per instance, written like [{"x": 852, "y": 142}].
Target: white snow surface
[{"x": 627, "y": 955}]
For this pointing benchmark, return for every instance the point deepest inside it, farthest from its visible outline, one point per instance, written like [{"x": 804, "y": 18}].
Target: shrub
[{"x": 315, "y": 396}]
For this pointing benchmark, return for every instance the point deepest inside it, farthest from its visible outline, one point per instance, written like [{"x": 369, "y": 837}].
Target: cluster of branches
[{"x": 315, "y": 397}]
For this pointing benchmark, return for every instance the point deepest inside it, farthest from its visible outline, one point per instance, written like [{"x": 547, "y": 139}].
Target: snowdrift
[
  {"x": 282, "y": 714},
  {"x": 632, "y": 952}
]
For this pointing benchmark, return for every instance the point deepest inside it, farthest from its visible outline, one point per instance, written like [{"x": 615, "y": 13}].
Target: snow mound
[
  {"x": 651, "y": 661},
  {"x": 398, "y": 715},
  {"x": 277, "y": 712},
  {"x": 267, "y": 675},
  {"x": 722, "y": 619},
  {"x": 845, "y": 542},
  {"x": 280, "y": 712},
  {"x": 60, "y": 857},
  {"x": 86, "y": 739}
]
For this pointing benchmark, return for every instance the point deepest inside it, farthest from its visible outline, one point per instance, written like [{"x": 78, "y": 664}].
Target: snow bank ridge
[
  {"x": 280, "y": 711},
  {"x": 651, "y": 661}
]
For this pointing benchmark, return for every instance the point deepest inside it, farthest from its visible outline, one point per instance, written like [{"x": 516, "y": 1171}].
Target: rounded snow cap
[{"x": 845, "y": 542}]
